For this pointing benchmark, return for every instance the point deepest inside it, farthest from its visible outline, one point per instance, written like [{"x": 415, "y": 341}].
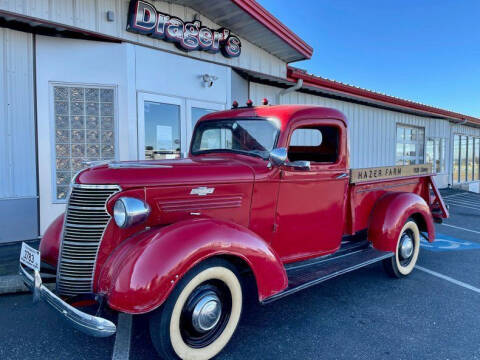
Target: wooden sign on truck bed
[{"x": 389, "y": 172}]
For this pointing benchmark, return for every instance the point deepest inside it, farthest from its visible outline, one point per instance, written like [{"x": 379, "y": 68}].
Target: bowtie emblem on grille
[{"x": 202, "y": 191}]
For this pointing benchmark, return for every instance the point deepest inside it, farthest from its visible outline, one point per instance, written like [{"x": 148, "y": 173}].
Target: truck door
[{"x": 311, "y": 202}]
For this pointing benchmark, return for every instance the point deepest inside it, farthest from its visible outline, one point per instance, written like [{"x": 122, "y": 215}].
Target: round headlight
[
  {"x": 120, "y": 213},
  {"x": 129, "y": 211}
]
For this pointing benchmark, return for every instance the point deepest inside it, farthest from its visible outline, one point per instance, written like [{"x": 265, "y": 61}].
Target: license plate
[{"x": 30, "y": 257}]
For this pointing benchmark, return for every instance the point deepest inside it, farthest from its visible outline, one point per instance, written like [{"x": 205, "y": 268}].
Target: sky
[{"x": 422, "y": 50}]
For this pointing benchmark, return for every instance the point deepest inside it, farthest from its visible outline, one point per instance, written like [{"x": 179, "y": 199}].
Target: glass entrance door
[
  {"x": 160, "y": 127},
  {"x": 165, "y": 124}
]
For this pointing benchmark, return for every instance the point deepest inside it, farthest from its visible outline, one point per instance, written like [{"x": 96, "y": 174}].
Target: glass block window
[{"x": 84, "y": 130}]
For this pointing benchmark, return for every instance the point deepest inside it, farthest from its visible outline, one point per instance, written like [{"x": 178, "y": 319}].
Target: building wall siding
[
  {"x": 17, "y": 124},
  {"x": 91, "y": 15},
  {"x": 372, "y": 131}
]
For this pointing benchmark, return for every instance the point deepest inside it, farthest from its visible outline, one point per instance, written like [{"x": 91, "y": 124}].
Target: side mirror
[{"x": 278, "y": 156}]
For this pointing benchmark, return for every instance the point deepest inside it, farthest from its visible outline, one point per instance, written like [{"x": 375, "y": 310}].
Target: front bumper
[{"x": 86, "y": 323}]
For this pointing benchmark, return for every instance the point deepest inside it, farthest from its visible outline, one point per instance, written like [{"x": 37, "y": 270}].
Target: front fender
[
  {"x": 50, "y": 243},
  {"x": 390, "y": 214},
  {"x": 143, "y": 270}
]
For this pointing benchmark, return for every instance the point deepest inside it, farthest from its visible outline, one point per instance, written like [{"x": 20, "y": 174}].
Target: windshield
[{"x": 252, "y": 137}]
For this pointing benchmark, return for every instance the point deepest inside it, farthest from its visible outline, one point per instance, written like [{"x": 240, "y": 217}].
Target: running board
[{"x": 305, "y": 275}]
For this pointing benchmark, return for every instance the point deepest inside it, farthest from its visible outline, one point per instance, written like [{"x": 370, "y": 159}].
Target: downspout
[{"x": 288, "y": 90}]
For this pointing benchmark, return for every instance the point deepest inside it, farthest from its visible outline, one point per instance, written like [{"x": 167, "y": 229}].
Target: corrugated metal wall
[
  {"x": 17, "y": 130},
  {"x": 372, "y": 131},
  {"x": 91, "y": 15},
  {"x": 18, "y": 176}
]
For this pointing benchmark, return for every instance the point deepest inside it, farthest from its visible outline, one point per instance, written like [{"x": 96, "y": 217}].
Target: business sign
[
  {"x": 143, "y": 18},
  {"x": 389, "y": 172}
]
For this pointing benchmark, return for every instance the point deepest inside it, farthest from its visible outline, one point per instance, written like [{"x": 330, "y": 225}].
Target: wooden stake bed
[{"x": 388, "y": 172}]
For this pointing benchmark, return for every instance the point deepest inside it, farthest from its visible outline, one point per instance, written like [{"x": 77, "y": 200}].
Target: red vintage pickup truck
[{"x": 266, "y": 195}]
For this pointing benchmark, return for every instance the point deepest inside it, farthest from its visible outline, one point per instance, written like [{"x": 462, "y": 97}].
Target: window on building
[
  {"x": 476, "y": 159},
  {"x": 410, "y": 145},
  {"x": 84, "y": 130},
  {"x": 463, "y": 158},
  {"x": 316, "y": 144},
  {"x": 470, "y": 170},
  {"x": 466, "y": 158},
  {"x": 456, "y": 159},
  {"x": 435, "y": 154}
]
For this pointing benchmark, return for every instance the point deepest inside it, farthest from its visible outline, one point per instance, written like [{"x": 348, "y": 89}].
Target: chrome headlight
[{"x": 129, "y": 211}]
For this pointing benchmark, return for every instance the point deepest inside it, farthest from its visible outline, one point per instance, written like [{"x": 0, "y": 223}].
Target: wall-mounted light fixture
[{"x": 208, "y": 80}]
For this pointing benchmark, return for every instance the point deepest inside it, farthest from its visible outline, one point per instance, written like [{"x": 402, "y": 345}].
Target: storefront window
[
  {"x": 470, "y": 170},
  {"x": 456, "y": 158},
  {"x": 430, "y": 152},
  {"x": 84, "y": 130},
  {"x": 476, "y": 157},
  {"x": 162, "y": 130},
  {"x": 466, "y": 158},
  {"x": 435, "y": 154},
  {"x": 463, "y": 158},
  {"x": 410, "y": 144}
]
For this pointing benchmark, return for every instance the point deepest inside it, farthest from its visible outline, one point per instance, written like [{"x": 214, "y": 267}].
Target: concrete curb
[{"x": 13, "y": 284}]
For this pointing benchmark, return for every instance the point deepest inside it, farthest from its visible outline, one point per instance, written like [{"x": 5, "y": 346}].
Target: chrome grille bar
[{"x": 85, "y": 221}]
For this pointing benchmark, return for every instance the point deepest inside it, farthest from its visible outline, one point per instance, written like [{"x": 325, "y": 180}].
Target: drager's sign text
[{"x": 143, "y": 18}]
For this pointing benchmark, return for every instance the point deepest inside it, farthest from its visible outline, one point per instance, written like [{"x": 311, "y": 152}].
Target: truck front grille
[{"x": 85, "y": 221}]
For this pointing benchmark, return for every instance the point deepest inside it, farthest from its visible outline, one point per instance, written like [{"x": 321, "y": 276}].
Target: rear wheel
[
  {"x": 201, "y": 314},
  {"x": 406, "y": 254}
]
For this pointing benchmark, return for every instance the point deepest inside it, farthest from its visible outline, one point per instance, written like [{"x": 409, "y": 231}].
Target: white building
[{"x": 85, "y": 80}]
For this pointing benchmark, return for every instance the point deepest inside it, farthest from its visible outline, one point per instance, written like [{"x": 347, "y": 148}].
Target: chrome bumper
[{"x": 86, "y": 323}]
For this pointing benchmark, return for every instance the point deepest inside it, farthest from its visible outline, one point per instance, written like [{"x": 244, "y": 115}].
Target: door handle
[{"x": 341, "y": 176}]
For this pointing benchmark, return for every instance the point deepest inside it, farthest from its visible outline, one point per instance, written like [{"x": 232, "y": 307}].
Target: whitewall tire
[
  {"x": 201, "y": 314},
  {"x": 406, "y": 254}
]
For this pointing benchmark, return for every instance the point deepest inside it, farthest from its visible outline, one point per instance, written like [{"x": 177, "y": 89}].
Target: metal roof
[
  {"x": 249, "y": 20},
  {"x": 333, "y": 89},
  {"x": 319, "y": 84}
]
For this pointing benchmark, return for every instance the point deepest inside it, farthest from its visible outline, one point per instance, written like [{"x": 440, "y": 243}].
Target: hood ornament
[{"x": 202, "y": 191}]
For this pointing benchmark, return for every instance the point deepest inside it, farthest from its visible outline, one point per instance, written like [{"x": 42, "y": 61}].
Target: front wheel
[
  {"x": 201, "y": 314},
  {"x": 406, "y": 254}
]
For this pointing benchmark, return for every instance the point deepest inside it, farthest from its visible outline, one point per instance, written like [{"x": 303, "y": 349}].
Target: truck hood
[{"x": 198, "y": 170}]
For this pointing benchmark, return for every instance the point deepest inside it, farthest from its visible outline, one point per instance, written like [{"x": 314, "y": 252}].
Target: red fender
[
  {"x": 50, "y": 243},
  {"x": 143, "y": 270},
  {"x": 390, "y": 213}
]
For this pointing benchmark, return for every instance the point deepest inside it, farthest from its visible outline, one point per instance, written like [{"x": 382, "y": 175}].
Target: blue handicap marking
[{"x": 448, "y": 243}]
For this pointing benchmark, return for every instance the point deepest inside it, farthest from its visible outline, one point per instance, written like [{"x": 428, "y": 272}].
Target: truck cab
[{"x": 266, "y": 196}]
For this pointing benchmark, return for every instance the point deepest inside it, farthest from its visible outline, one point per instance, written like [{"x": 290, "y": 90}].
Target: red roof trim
[
  {"x": 259, "y": 13},
  {"x": 316, "y": 81}
]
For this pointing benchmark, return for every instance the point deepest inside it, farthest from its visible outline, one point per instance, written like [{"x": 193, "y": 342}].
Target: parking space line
[
  {"x": 456, "y": 195},
  {"x": 121, "y": 348},
  {"x": 467, "y": 207},
  {"x": 461, "y": 228},
  {"x": 449, "y": 279},
  {"x": 465, "y": 202}
]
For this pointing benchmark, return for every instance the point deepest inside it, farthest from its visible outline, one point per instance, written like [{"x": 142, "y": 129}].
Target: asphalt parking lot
[{"x": 433, "y": 314}]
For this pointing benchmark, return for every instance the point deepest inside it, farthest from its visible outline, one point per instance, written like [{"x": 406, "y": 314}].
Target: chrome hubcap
[
  {"x": 207, "y": 312},
  {"x": 406, "y": 247}
]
